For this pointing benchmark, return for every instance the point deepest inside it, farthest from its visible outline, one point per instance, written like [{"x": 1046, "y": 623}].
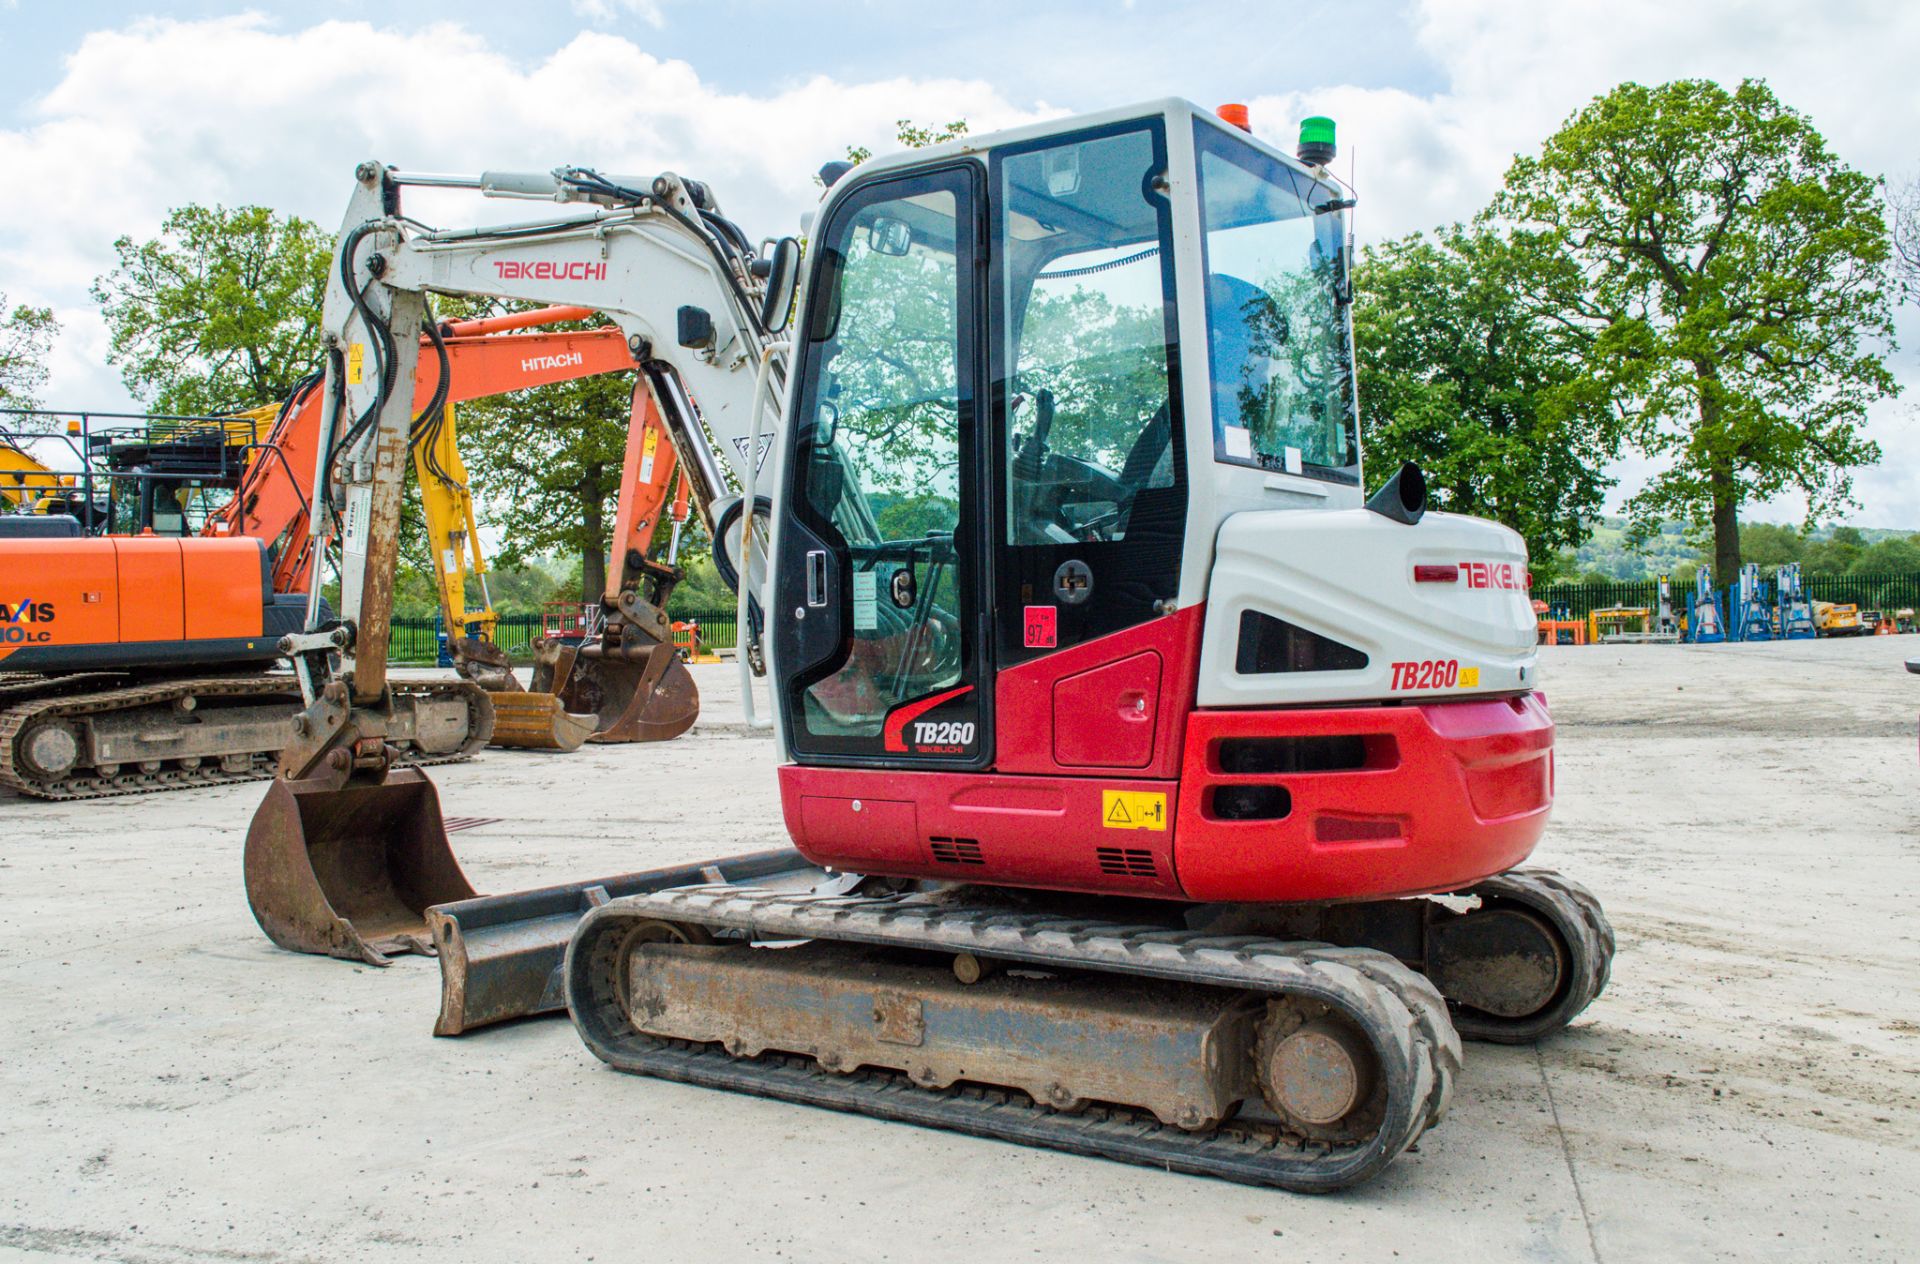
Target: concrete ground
[{"x": 173, "y": 1088}]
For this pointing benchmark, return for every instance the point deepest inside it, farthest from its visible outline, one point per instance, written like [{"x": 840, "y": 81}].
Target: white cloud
[
  {"x": 605, "y": 11},
  {"x": 281, "y": 116}
]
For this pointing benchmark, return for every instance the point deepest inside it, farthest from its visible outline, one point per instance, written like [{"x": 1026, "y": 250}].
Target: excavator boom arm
[{"x": 679, "y": 289}]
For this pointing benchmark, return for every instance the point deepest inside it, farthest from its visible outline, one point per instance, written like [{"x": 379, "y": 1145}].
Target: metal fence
[
  {"x": 1869, "y": 592},
  {"x": 417, "y": 641}
]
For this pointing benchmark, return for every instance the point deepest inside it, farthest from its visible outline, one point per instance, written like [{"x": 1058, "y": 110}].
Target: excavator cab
[{"x": 1044, "y": 610}]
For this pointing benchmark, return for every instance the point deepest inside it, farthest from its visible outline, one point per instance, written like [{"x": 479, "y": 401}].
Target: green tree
[
  {"x": 913, "y": 136},
  {"x": 26, "y": 339},
  {"x": 1834, "y": 555},
  {"x": 1771, "y": 545},
  {"x": 1725, "y": 277},
  {"x": 1458, "y": 374},
  {"x": 1904, "y": 201},
  {"x": 1892, "y": 556},
  {"x": 220, "y": 311}
]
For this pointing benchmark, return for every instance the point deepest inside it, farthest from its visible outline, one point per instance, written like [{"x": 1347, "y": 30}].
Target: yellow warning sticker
[
  {"x": 1469, "y": 677},
  {"x": 649, "y": 448},
  {"x": 356, "y": 361},
  {"x": 1133, "y": 809}
]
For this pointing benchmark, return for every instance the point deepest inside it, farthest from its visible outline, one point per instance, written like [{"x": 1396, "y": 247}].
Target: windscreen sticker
[
  {"x": 1133, "y": 809},
  {"x": 866, "y": 601},
  {"x": 1043, "y": 627},
  {"x": 1291, "y": 459},
  {"x": 1238, "y": 441}
]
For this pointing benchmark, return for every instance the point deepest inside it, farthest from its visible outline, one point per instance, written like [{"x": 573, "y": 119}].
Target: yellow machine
[
  {"x": 532, "y": 721},
  {"x": 28, "y": 486},
  {"x": 1833, "y": 618},
  {"x": 1617, "y": 622}
]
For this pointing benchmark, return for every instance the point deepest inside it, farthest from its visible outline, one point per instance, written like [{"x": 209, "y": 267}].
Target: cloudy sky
[{"x": 112, "y": 113}]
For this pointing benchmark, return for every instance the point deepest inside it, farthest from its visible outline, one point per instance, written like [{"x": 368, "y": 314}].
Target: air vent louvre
[
  {"x": 1126, "y": 862},
  {"x": 956, "y": 851}
]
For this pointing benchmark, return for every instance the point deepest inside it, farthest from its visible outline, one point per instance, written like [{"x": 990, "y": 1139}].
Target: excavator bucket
[
  {"x": 348, "y": 870},
  {"x": 537, "y": 721},
  {"x": 638, "y": 692},
  {"x": 522, "y": 720}
]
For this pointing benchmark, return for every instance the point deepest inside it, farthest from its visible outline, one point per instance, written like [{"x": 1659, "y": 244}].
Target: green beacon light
[{"x": 1316, "y": 147}]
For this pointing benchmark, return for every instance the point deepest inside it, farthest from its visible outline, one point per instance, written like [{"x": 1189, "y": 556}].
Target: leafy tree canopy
[
  {"x": 26, "y": 339},
  {"x": 1724, "y": 277},
  {"x": 219, "y": 312},
  {"x": 1460, "y": 375}
]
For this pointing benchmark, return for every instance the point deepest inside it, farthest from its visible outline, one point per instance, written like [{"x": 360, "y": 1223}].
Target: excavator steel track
[
  {"x": 22, "y": 705},
  {"x": 1399, "y": 1014},
  {"x": 1575, "y": 915}
]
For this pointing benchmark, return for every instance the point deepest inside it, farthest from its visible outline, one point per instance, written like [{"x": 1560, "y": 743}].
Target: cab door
[{"x": 879, "y": 612}]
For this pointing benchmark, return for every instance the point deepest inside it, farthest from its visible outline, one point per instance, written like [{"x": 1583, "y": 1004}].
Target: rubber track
[
  {"x": 1575, "y": 913},
  {"x": 19, "y": 706},
  {"x": 1401, "y": 1014}
]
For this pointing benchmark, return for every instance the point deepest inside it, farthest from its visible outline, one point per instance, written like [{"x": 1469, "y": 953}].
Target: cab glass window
[
  {"x": 1084, "y": 319},
  {"x": 1278, "y": 339}
]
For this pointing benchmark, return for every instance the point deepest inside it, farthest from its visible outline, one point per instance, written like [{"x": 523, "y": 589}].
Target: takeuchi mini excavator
[
  {"x": 1123, "y": 739},
  {"x": 142, "y": 660}
]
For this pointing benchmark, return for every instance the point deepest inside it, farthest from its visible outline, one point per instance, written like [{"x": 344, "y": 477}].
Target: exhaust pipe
[{"x": 1403, "y": 497}]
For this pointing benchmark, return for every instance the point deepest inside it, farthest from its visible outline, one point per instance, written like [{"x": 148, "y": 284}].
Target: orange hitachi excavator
[{"x": 137, "y": 663}]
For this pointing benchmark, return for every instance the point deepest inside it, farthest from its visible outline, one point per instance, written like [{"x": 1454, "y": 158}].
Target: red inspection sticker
[{"x": 1043, "y": 627}]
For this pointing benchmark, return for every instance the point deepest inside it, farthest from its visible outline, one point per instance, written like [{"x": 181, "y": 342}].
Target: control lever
[{"x": 1032, "y": 456}]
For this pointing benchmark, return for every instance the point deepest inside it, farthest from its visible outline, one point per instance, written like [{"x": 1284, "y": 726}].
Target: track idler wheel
[
  {"x": 1535, "y": 953},
  {"x": 348, "y": 868}
]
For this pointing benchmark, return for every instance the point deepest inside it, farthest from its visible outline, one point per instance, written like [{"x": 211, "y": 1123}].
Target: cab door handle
[{"x": 816, "y": 577}]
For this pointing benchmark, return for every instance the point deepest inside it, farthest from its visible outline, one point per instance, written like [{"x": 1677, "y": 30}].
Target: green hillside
[{"x": 1677, "y": 549}]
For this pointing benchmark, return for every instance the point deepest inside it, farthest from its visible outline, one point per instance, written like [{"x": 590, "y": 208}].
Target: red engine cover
[
  {"x": 1443, "y": 794},
  {"x": 1107, "y": 780}
]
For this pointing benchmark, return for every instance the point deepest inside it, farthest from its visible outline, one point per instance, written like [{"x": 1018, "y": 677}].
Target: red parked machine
[{"x": 1118, "y": 730}]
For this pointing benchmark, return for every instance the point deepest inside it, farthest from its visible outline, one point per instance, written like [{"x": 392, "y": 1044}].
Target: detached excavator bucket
[
  {"x": 349, "y": 870},
  {"x": 521, "y": 720},
  {"x": 537, "y": 721},
  {"x": 639, "y": 692}
]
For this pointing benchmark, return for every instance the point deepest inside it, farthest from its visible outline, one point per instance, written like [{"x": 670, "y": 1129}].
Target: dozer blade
[
  {"x": 501, "y": 955},
  {"x": 537, "y": 721},
  {"x": 640, "y": 692},
  {"x": 349, "y": 870}
]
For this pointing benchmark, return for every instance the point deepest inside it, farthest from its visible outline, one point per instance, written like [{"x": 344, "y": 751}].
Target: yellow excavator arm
[{"x": 453, "y": 536}]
